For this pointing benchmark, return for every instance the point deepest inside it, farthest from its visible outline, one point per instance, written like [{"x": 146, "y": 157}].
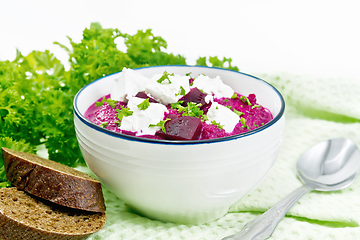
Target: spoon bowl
[{"x": 330, "y": 165}]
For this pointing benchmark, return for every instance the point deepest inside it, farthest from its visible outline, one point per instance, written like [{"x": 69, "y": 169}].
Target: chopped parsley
[
  {"x": 243, "y": 122},
  {"x": 104, "y": 124},
  {"x": 192, "y": 109},
  {"x": 226, "y": 100},
  {"x": 234, "y": 96},
  {"x": 217, "y": 124},
  {"x": 204, "y": 118},
  {"x": 111, "y": 102},
  {"x": 176, "y": 105},
  {"x": 144, "y": 105},
  {"x": 255, "y": 106},
  {"x": 124, "y": 112},
  {"x": 165, "y": 76},
  {"x": 238, "y": 112},
  {"x": 181, "y": 92},
  {"x": 245, "y": 99},
  {"x": 161, "y": 124}
]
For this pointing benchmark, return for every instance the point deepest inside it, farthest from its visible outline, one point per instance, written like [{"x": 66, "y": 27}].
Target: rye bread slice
[
  {"x": 23, "y": 216},
  {"x": 53, "y": 181}
]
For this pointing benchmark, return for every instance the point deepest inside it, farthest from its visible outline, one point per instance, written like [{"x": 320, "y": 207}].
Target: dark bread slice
[
  {"x": 53, "y": 181},
  {"x": 23, "y": 216}
]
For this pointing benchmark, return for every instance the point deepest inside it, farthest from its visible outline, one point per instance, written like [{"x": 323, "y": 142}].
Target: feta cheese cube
[
  {"x": 213, "y": 86},
  {"x": 167, "y": 92},
  {"x": 223, "y": 115},
  {"x": 128, "y": 84},
  {"x": 140, "y": 120}
]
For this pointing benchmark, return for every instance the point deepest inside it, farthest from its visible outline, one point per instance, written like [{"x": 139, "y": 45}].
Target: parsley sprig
[
  {"x": 181, "y": 91},
  {"x": 245, "y": 100},
  {"x": 161, "y": 124},
  {"x": 111, "y": 102},
  {"x": 243, "y": 122},
  {"x": 104, "y": 124},
  {"x": 192, "y": 109},
  {"x": 165, "y": 76},
  {"x": 144, "y": 105},
  {"x": 124, "y": 112},
  {"x": 217, "y": 124}
]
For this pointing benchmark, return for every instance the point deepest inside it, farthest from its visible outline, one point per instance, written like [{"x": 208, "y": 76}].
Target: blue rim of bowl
[{"x": 179, "y": 142}]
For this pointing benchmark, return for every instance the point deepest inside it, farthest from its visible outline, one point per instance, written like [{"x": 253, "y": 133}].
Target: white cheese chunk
[
  {"x": 166, "y": 92},
  {"x": 140, "y": 120},
  {"x": 213, "y": 86},
  {"x": 221, "y": 114},
  {"x": 128, "y": 84}
]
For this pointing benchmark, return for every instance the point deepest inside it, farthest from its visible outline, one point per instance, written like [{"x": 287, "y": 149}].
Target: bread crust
[
  {"x": 52, "y": 181},
  {"x": 14, "y": 226},
  {"x": 13, "y": 230}
]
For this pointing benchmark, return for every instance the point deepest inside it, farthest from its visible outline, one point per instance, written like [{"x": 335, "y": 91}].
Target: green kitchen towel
[{"x": 316, "y": 109}]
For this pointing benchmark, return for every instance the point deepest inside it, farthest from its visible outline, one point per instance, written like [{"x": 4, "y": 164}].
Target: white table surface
[{"x": 313, "y": 37}]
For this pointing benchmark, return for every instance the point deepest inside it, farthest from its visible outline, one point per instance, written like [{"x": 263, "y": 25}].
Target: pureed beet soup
[{"x": 174, "y": 107}]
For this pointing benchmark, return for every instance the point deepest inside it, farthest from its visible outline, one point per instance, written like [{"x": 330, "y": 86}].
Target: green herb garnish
[
  {"x": 111, "y": 102},
  {"x": 104, "y": 124},
  {"x": 164, "y": 77},
  {"x": 161, "y": 124},
  {"x": 242, "y": 98},
  {"x": 192, "y": 109},
  {"x": 124, "y": 112},
  {"x": 176, "y": 105},
  {"x": 204, "y": 118},
  {"x": 234, "y": 96},
  {"x": 243, "y": 122},
  {"x": 217, "y": 124},
  {"x": 181, "y": 92},
  {"x": 144, "y": 105},
  {"x": 238, "y": 113}
]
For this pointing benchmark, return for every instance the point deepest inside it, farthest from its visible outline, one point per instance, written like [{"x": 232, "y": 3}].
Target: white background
[{"x": 311, "y": 37}]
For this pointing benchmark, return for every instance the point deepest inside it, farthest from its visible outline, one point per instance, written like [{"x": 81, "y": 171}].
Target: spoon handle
[{"x": 263, "y": 226}]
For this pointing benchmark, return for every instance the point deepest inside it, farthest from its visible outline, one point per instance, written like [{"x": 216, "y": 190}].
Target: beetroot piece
[
  {"x": 172, "y": 116},
  {"x": 206, "y": 107},
  {"x": 194, "y": 95},
  {"x": 181, "y": 128},
  {"x": 145, "y": 96}
]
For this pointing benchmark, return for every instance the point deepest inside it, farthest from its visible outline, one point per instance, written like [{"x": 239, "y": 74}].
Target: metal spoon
[{"x": 328, "y": 166}]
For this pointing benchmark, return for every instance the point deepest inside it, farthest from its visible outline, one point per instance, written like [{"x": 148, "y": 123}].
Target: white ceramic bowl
[{"x": 190, "y": 182}]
